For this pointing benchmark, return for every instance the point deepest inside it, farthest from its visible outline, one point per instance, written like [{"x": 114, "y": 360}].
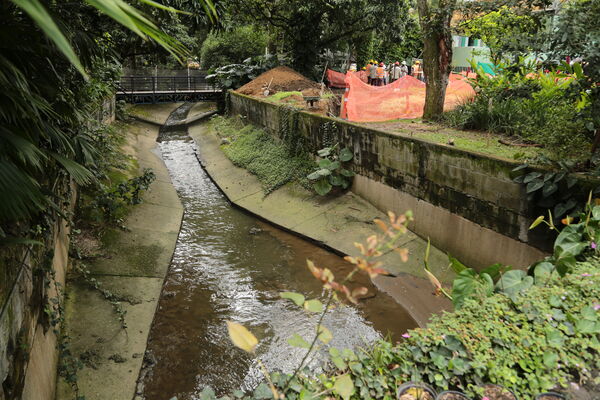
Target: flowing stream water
[{"x": 228, "y": 265}]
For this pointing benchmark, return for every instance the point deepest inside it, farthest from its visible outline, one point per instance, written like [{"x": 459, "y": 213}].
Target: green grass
[
  {"x": 258, "y": 152},
  {"x": 277, "y": 97},
  {"x": 481, "y": 142}
]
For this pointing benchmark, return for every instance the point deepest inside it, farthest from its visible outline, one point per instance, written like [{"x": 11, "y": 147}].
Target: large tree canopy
[
  {"x": 308, "y": 27},
  {"x": 505, "y": 32}
]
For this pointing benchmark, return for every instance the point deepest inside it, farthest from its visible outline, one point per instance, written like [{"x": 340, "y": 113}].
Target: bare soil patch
[{"x": 279, "y": 79}]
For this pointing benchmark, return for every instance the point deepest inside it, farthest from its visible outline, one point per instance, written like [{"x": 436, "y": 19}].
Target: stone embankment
[{"x": 464, "y": 201}]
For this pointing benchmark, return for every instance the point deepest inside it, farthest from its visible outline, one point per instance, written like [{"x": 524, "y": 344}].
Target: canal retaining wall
[
  {"x": 32, "y": 279},
  {"x": 465, "y": 202}
]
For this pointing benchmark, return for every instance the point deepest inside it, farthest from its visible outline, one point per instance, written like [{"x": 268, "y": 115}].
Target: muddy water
[{"x": 230, "y": 266}]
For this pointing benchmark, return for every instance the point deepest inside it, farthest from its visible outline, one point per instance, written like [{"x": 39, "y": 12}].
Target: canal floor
[{"x": 228, "y": 265}]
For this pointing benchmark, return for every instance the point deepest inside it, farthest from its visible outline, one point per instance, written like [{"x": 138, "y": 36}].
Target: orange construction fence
[
  {"x": 338, "y": 80},
  {"x": 403, "y": 98}
]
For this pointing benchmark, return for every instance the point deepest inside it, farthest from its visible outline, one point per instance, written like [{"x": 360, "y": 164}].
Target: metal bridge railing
[{"x": 165, "y": 84}]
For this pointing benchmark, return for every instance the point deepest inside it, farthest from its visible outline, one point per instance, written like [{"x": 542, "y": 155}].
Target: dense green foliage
[
  {"x": 54, "y": 79},
  {"x": 545, "y": 108},
  {"x": 232, "y": 47},
  {"x": 307, "y": 29},
  {"x": 576, "y": 34},
  {"x": 273, "y": 163},
  {"x": 390, "y": 48},
  {"x": 539, "y": 340},
  {"x": 232, "y": 76},
  {"x": 331, "y": 170},
  {"x": 502, "y": 31}
]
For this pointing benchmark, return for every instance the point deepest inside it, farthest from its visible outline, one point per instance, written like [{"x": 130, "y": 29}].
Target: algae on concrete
[{"x": 134, "y": 268}]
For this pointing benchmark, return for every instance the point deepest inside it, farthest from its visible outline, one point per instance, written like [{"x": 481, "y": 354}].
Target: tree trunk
[{"x": 437, "y": 55}]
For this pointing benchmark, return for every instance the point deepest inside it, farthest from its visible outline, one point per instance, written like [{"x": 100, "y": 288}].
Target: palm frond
[{"x": 44, "y": 20}]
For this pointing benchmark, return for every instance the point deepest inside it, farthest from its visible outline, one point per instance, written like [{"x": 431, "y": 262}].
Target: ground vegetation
[
  {"x": 530, "y": 332},
  {"x": 534, "y": 106},
  {"x": 274, "y": 163}
]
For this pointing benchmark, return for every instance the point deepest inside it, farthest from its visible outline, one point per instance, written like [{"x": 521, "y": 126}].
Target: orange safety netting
[
  {"x": 338, "y": 80},
  {"x": 403, "y": 98}
]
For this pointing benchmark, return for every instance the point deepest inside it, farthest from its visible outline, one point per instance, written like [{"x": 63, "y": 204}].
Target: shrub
[
  {"x": 232, "y": 47},
  {"x": 273, "y": 162},
  {"x": 535, "y": 106}
]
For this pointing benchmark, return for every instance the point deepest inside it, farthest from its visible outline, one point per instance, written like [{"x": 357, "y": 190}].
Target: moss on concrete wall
[{"x": 474, "y": 186}]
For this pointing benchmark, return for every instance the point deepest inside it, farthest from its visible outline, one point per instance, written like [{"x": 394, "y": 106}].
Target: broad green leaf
[
  {"x": 463, "y": 286},
  {"x": 297, "y": 298},
  {"x": 313, "y": 305},
  {"x": 208, "y": 394},
  {"x": 520, "y": 167},
  {"x": 334, "y": 165},
  {"x": 347, "y": 172},
  {"x": 494, "y": 270},
  {"x": 44, "y": 20},
  {"x": 324, "y": 152},
  {"x": 344, "y": 386},
  {"x": 325, "y": 334},
  {"x": 314, "y": 175},
  {"x": 570, "y": 241},
  {"x": 589, "y": 313},
  {"x": 298, "y": 341},
  {"x": 336, "y": 180},
  {"x": 535, "y": 223},
  {"x": 456, "y": 265},
  {"x": 324, "y": 172},
  {"x": 322, "y": 187},
  {"x": 549, "y": 189},
  {"x": 534, "y": 186},
  {"x": 346, "y": 154},
  {"x": 543, "y": 272},
  {"x": 596, "y": 212},
  {"x": 324, "y": 163},
  {"x": 337, "y": 359},
  {"x": 550, "y": 359},
  {"x": 531, "y": 176},
  {"x": 554, "y": 338},
  {"x": 586, "y": 326},
  {"x": 262, "y": 392},
  {"x": 242, "y": 337},
  {"x": 514, "y": 282}
]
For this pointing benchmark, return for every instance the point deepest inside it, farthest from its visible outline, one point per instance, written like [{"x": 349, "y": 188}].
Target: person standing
[
  {"x": 379, "y": 74},
  {"x": 417, "y": 70},
  {"x": 368, "y": 71},
  {"x": 395, "y": 72},
  {"x": 373, "y": 74},
  {"x": 403, "y": 69}
]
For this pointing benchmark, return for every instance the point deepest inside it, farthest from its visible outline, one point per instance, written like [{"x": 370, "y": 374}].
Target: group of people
[{"x": 378, "y": 74}]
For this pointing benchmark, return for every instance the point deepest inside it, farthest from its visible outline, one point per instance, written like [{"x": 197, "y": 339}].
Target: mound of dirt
[{"x": 281, "y": 79}]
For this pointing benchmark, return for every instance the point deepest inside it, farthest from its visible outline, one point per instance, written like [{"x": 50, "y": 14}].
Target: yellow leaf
[
  {"x": 537, "y": 221},
  {"x": 325, "y": 334},
  {"x": 241, "y": 337}
]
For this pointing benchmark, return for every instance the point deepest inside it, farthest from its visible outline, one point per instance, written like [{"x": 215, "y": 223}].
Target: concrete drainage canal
[{"x": 228, "y": 265}]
